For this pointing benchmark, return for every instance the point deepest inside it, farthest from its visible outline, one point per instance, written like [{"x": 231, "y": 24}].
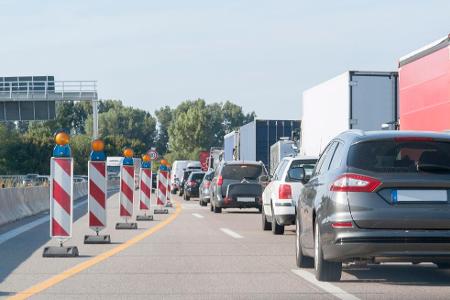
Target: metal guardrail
[{"x": 48, "y": 90}]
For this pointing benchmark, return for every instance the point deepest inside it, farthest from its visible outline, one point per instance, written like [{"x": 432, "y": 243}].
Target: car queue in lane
[{"x": 372, "y": 197}]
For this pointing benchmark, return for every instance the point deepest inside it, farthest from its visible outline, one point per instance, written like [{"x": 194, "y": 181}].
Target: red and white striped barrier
[
  {"x": 126, "y": 191},
  {"x": 168, "y": 203},
  {"x": 146, "y": 188},
  {"x": 163, "y": 183},
  {"x": 61, "y": 197},
  {"x": 97, "y": 195}
]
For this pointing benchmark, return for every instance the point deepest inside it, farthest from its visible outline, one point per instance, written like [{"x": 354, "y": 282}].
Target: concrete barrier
[{"x": 18, "y": 203}]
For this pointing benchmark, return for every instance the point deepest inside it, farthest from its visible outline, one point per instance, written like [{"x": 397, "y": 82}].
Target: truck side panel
[
  {"x": 268, "y": 132},
  {"x": 326, "y": 113},
  {"x": 247, "y": 142},
  {"x": 229, "y": 145},
  {"x": 425, "y": 92}
]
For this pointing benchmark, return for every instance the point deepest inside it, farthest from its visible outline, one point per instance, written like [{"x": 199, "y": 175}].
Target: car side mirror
[{"x": 297, "y": 174}]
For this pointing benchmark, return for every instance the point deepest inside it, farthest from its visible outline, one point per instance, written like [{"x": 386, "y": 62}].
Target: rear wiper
[{"x": 432, "y": 167}]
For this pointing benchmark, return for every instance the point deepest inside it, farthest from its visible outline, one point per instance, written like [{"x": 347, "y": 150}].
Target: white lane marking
[
  {"x": 231, "y": 233},
  {"x": 24, "y": 228},
  {"x": 326, "y": 286},
  {"x": 198, "y": 216}
]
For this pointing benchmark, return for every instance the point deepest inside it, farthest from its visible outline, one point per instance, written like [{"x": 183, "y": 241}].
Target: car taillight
[
  {"x": 220, "y": 181},
  {"x": 207, "y": 184},
  {"x": 355, "y": 183},
  {"x": 284, "y": 191},
  {"x": 342, "y": 225}
]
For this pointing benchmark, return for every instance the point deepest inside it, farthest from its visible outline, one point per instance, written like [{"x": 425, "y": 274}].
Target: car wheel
[
  {"x": 276, "y": 229},
  {"x": 187, "y": 198},
  {"x": 325, "y": 270},
  {"x": 301, "y": 260},
  {"x": 217, "y": 210},
  {"x": 443, "y": 265},
  {"x": 265, "y": 224}
]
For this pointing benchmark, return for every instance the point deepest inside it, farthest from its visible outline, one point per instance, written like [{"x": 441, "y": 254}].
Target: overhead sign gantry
[{"x": 29, "y": 98}]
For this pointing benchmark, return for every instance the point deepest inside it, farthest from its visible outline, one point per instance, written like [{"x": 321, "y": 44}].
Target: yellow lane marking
[{"x": 95, "y": 260}]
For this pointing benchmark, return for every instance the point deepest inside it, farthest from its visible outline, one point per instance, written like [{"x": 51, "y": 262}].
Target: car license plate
[
  {"x": 245, "y": 199},
  {"x": 419, "y": 196}
]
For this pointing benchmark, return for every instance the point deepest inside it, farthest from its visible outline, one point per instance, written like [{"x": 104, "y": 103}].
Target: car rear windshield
[
  {"x": 186, "y": 174},
  {"x": 307, "y": 165},
  {"x": 401, "y": 155},
  {"x": 239, "y": 172},
  {"x": 198, "y": 176}
]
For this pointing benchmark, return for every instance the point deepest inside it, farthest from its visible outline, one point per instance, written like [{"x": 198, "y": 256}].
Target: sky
[{"x": 258, "y": 54}]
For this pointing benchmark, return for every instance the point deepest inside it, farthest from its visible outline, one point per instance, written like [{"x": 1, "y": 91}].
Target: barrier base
[
  {"x": 56, "y": 251},
  {"x": 144, "y": 218},
  {"x": 97, "y": 239},
  {"x": 161, "y": 211},
  {"x": 126, "y": 226}
]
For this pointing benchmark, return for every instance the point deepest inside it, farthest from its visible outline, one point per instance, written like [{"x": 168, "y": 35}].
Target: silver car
[
  {"x": 205, "y": 192},
  {"x": 376, "y": 197}
]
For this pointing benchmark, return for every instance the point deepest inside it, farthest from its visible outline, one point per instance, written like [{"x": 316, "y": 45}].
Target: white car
[{"x": 281, "y": 194}]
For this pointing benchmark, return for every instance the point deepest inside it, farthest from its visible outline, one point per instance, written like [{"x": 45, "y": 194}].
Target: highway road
[{"x": 191, "y": 253}]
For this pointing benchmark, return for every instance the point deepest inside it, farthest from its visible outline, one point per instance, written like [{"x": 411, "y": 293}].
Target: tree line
[{"x": 176, "y": 133}]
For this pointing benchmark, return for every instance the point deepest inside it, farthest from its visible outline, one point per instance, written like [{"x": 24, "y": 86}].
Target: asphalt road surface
[{"x": 191, "y": 253}]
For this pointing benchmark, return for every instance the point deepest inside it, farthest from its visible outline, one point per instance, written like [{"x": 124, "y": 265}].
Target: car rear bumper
[
  {"x": 192, "y": 192},
  {"x": 233, "y": 203},
  {"x": 284, "y": 213},
  {"x": 285, "y": 219},
  {"x": 389, "y": 245}
]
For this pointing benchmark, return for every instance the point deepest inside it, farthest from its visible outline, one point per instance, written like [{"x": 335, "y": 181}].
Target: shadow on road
[
  {"x": 15, "y": 251},
  {"x": 417, "y": 275},
  {"x": 251, "y": 212}
]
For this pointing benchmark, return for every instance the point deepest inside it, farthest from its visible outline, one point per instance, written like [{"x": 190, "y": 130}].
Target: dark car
[
  {"x": 205, "y": 190},
  {"x": 186, "y": 174},
  {"x": 375, "y": 197},
  {"x": 236, "y": 184},
  {"x": 192, "y": 185}
]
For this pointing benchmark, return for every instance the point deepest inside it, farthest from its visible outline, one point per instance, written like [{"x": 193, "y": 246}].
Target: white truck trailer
[
  {"x": 279, "y": 150},
  {"x": 231, "y": 146},
  {"x": 352, "y": 100}
]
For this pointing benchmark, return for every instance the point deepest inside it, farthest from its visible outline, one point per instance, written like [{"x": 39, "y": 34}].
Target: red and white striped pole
[
  {"x": 163, "y": 181},
  {"x": 145, "y": 188},
  {"x": 126, "y": 196},
  {"x": 61, "y": 197},
  {"x": 169, "y": 183},
  {"x": 97, "y": 195}
]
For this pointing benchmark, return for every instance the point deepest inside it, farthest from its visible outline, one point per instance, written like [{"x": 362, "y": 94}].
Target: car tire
[
  {"x": 217, "y": 210},
  {"x": 302, "y": 261},
  {"x": 276, "y": 229},
  {"x": 325, "y": 270},
  {"x": 187, "y": 198},
  {"x": 443, "y": 266},
  {"x": 265, "y": 224}
]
